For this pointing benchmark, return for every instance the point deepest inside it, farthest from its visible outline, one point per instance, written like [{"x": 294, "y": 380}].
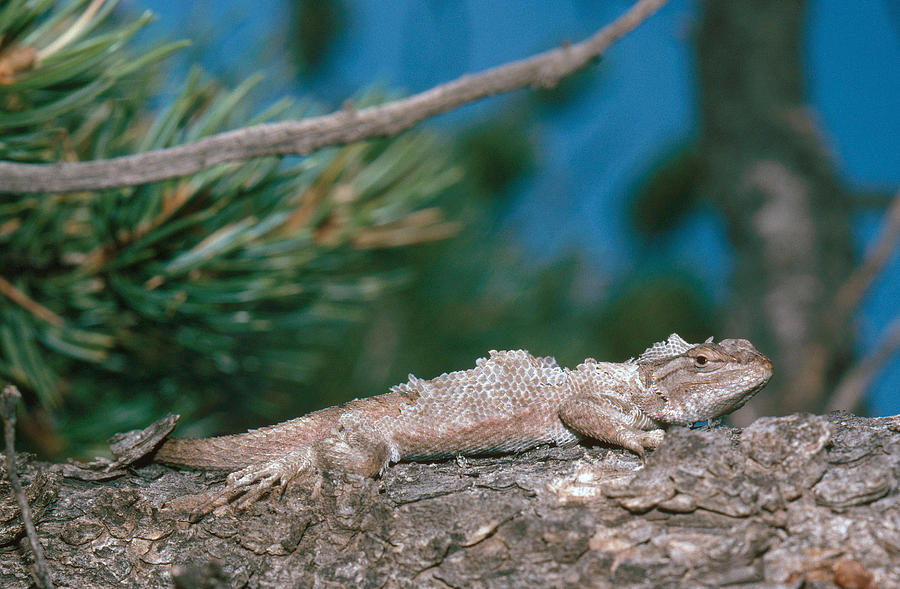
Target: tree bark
[
  {"x": 788, "y": 500},
  {"x": 786, "y": 211}
]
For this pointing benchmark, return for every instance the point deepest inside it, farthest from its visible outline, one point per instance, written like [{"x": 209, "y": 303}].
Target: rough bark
[
  {"x": 788, "y": 500},
  {"x": 787, "y": 213}
]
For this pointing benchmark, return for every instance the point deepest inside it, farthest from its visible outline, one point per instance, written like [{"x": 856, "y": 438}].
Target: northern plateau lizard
[{"x": 509, "y": 402}]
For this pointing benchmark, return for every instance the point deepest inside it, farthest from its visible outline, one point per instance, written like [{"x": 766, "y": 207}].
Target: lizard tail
[
  {"x": 267, "y": 443},
  {"x": 225, "y": 452},
  {"x": 256, "y": 446}
]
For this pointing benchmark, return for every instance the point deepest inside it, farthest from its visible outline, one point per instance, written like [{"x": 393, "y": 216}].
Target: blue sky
[{"x": 592, "y": 152}]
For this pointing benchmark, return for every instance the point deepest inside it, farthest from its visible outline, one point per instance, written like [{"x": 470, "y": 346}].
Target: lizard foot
[
  {"x": 648, "y": 440},
  {"x": 245, "y": 487}
]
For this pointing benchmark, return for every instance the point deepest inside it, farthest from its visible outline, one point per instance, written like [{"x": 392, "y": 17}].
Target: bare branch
[
  {"x": 852, "y": 291},
  {"x": 9, "y": 401},
  {"x": 853, "y": 385},
  {"x": 306, "y": 135}
]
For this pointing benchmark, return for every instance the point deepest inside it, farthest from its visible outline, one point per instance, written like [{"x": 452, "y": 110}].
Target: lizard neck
[{"x": 606, "y": 378}]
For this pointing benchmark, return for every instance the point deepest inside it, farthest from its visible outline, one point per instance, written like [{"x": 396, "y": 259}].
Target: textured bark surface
[{"x": 788, "y": 500}]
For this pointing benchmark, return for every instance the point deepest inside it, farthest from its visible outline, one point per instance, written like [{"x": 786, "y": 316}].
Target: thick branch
[
  {"x": 799, "y": 500},
  {"x": 306, "y": 135}
]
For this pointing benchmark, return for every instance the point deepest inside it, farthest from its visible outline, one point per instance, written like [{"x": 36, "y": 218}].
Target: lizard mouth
[{"x": 764, "y": 376}]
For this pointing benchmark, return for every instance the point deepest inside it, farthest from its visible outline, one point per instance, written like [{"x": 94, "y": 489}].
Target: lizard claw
[{"x": 245, "y": 487}]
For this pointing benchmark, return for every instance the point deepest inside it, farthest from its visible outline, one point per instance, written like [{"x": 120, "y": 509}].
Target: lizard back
[{"x": 507, "y": 403}]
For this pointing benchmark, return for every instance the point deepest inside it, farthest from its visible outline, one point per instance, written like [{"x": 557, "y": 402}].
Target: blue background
[{"x": 592, "y": 152}]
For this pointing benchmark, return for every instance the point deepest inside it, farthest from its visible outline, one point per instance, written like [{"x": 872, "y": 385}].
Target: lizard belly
[{"x": 474, "y": 433}]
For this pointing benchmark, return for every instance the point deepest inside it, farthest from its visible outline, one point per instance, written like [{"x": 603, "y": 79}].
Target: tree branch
[
  {"x": 852, "y": 291},
  {"x": 850, "y": 390},
  {"x": 853, "y": 384},
  {"x": 9, "y": 401},
  {"x": 306, "y": 135},
  {"x": 759, "y": 507}
]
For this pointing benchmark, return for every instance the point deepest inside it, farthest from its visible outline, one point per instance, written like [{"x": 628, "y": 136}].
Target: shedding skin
[{"x": 509, "y": 402}]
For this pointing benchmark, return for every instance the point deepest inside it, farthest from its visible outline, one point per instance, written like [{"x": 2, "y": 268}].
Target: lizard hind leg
[
  {"x": 245, "y": 487},
  {"x": 356, "y": 450}
]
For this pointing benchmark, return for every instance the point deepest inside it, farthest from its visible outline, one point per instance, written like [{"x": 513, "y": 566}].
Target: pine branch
[
  {"x": 305, "y": 136},
  {"x": 201, "y": 285}
]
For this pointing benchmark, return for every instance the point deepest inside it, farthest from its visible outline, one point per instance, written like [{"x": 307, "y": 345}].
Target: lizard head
[{"x": 685, "y": 383}]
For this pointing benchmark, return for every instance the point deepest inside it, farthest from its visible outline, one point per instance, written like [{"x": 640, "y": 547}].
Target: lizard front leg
[{"x": 608, "y": 419}]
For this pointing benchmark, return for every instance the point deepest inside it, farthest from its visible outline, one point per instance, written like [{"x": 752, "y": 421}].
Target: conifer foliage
[{"x": 162, "y": 296}]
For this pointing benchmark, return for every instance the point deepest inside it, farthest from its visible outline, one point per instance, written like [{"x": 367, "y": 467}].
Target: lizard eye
[{"x": 700, "y": 360}]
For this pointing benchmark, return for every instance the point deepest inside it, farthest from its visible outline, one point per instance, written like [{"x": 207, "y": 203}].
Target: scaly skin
[{"x": 509, "y": 402}]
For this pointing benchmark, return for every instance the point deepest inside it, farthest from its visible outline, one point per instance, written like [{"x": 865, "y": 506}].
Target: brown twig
[
  {"x": 23, "y": 300},
  {"x": 852, "y": 291},
  {"x": 853, "y": 385},
  {"x": 306, "y": 135},
  {"x": 9, "y": 401}
]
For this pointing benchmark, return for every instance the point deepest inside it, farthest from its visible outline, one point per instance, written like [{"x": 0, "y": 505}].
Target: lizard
[{"x": 509, "y": 402}]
